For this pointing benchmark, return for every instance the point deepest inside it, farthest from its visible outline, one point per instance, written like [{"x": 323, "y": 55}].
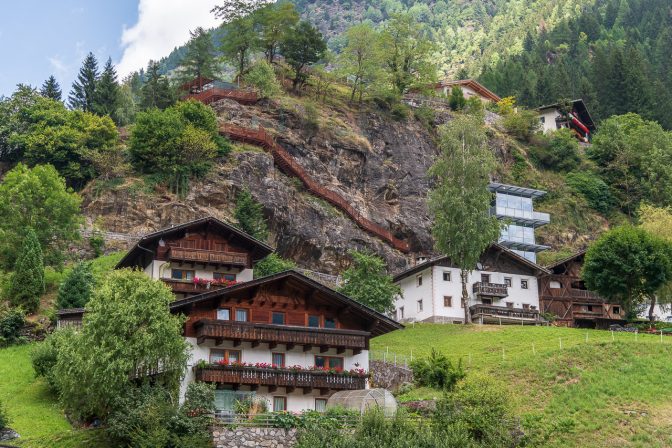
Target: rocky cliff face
[{"x": 376, "y": 163}]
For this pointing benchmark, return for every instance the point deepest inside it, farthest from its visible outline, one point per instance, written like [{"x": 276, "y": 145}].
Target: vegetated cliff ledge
[{"x": 376, "y": 163}]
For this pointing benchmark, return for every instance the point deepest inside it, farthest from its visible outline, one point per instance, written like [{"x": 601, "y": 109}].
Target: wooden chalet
[
  {"x": 563, "y": 294},
  {"x": 470, "y": 87}
]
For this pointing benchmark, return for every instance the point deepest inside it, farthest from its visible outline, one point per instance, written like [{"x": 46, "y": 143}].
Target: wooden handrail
[
  {"x": 209, "y": 96},
  {"x": 286, "y": 163}
]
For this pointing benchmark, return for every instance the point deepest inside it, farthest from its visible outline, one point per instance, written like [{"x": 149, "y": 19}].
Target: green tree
[
  {"x": 156, "y": 91},
  {"x": 106, "y": 99},
  {"x": 272, "y": 264},
  {"x": 51, "y": 89},
  {"x": 658, "y": 222},
  {"x": 128, "y": 338},
  {"x": 250, "y": 215},
  {"x": 262, "y": 77},
  {"x": 200, "y": 59},
  {"x": 456, "y": 98},
  {"x": 37, "y": 198},
  {"x": 83, "y": 93},
  {"x": 460, "y": 200},
  {"x": 361, "y": 59},
  {"x": 274, "y": 21},
  {"x": 239, "y": 42},
  {"x": 593, "y": 189},
  {"x": 76, "y": 289},
  {"x": 27, "y": 284},
  {"x": 560, "y": 154},
  {"x": 627, "y": 265},
  {"x": 302, "y": 47},
  {"x": 367, "y": 281}
]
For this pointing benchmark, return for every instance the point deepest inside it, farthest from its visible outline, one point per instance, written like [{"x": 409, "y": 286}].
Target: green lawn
[
  {"x": 33, "y": 410},
  {"x": 611, "y": 392}
]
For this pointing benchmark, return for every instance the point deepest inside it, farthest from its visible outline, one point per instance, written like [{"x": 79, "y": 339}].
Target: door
[{"x": 225, "y": 401}]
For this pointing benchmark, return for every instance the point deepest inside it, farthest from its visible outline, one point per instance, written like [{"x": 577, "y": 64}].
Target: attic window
[{"x": 617, "y": 310}]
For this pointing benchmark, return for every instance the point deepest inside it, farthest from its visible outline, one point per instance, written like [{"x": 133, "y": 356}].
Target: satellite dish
[{"x": 479, "y": 266}]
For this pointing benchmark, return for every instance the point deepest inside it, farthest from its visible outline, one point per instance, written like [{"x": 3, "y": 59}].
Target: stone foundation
[
  {"x": 253, "y": 437},
  {"x": 388, "y": 376}
]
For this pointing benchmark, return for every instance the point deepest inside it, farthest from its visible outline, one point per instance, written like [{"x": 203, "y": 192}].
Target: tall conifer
[
  {"x": 106, "y": 97},
  {"x": 27, "y": 284},
  {"x": 51, "y": 89},
  {"x": 82, "y": 95}
]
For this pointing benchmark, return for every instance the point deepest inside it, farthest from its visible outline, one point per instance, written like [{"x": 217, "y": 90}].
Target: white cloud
[{"x": 162, "y": 25}]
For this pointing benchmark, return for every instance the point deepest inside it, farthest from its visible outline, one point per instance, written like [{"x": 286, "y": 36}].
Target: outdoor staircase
[{"x": 209, "y": 96}]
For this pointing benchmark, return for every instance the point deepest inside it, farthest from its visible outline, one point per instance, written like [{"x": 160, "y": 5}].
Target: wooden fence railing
[
  {"x": 209, "y": 96},
  {"x": 287, "y": 164}
]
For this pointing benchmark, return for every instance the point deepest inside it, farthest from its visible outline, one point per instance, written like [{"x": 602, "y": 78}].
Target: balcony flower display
[
  {"x": 208, "y": 282},
  {"x": 294, "y": 368}
]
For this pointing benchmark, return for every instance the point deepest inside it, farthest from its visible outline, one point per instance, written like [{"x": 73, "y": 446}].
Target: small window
[
  {"x": 223, "y": 314},
  {"x": 400, "y": 313},
  {"x": 241, "y": 315},
  {"x": 329, "y": 322},
  {"x": 523, "y": 284},
  {"x": 446, "y": 276},
  {"x": 526, "y": 306},
  {"x": 313, "y": 321},
  {"x": 278, "y": 318},
  {"x": 279, "y": 404},
  {"x": 589, "y": 308},
  {"x": 447, "y": 301},
  {"x": 329, "y": 362},
  {"x": 418, "y": 280},
  {"x": 486, "y": 301},
  {"x": 229, "y": 356},
  {"x": 485, "y": 278},
  {"x": 508, "y": 281},
  {"x": 221, "y": 275},
  {"x": 419, "y": 305},
  {"x": 616, "y": 310},
  {"x": 320, "y": 404},
  {"x": 278, "y": 359},
  {"x": 509, "y": 304},
  {"x": 554, "y": 285},
  {"x": 182, "y": 274}
]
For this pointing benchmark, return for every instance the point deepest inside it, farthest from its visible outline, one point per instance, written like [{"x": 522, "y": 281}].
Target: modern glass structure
[{"x": 514, "y": 204}]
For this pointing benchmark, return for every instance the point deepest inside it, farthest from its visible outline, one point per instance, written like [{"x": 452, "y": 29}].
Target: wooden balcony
[
  {"x": 217, "y": 258},
  {"x": 490, "y": 289},
  {"x": 308, "y": 337},
  {"x": 188, "y": 287},
  {"x": 274, "y": 378},
  {"x": 499, "y": 314}
]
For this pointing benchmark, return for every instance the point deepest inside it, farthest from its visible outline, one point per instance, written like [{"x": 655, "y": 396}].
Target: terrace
[{"x": 498, "y": 314}]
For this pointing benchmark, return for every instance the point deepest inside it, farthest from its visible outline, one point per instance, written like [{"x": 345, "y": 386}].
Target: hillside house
[
  {"x": 470, "y": 88},
  {"x": 502, "y": 288},
  {"x": 563, "y": 294},
  {"x": 285, "y": 338},
  {"x": 572, "y": 115}
]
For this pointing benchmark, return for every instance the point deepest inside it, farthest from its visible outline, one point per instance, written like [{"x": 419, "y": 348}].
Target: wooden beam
[
  {"x": 324, "y": 391},
  {"x": 289, "y": 346},
  {"x": 340, "y": 350},
  {"x": 272, "y": 389},
  {"x": 255, "y": 343},
  {"x": 218, "y": 341},
  {"x": 324, "y": 348},
  {"x": 356, "y": 351},
  {"x": 200, "y": 340},
  {"x": 254, "y": 387},
  {"x": 307, "y": 348},
  {"x": 289, "y": 389},
  {"x": 307, "y": 390},
  {"x": 237, "y": 342},
  {"x": 272, "y": 345}
]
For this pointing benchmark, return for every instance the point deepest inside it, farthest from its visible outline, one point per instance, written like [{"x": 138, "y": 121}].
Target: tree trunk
[
  {"x": 652, "y": 307},
  {"x": 464, "y": 274}
]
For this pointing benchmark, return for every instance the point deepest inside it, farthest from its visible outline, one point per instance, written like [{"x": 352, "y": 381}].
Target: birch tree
[{"x": 460, "y": 200}]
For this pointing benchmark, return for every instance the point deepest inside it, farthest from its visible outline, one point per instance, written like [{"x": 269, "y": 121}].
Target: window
[
  {"x": 446, "y": 276},
  {"x": 418, "y": 280},
  {"x": 486, "y": 301},
  {"x": 320, "y": 404},
  {"x": 526, "y": 306},
  {"x": 278, "y": 359},
  {"x": 523, "y": 284},
  {"x": 616, "y": 310},
  {"x": 278, "y": 318},
  {"x": 241, "y": 315},
  {"x": 229, "y": 356},
  {"x": 485, "y": 278},
  {"x": 554, "y": 285},
  {"x": 313, "y": 321},
  {"x": 329, "y": 322},
  {"x": 542, "y": 120},
  {"x": 419, "y": 305},
  {"x": 221, "y": 275},
  {"x": 330, "y": 362},
  {"x": 508, "y": 281},
  {"x": 400, "y": 313},
  {"x": 182, "y": 274},
  {"x": 589, "y": 308},
  {"x": 509, "y": 304},
  {"x": 223, "y": 314},
  {"x": 447, "y": 301},
  {"x": 279, "y": 404}
]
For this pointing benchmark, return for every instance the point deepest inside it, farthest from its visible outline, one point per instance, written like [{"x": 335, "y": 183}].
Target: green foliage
[
  {"x": 522, "y": 124},
  {"x": 367, "y": 282},
  {"x": 302, "y": 47},
  {"x": 272, "y": 264},
  {"x": 626, "y": 265},
  {"x": 82, "y": 95},
  {"x": 456, "y": 98},
  {"x": 44, "y": 355},
  {"x": 106, "y": 99},
  {"x": 51, "y": 89},
  {"x": 4, "y": 416},
  {"x": 460, "y": 200},
  {"x": 76, "y": 290},
  {"x": 27, "y": 284},
  {"x": 262, "y": 77},
  {"x": 128, "y": 336},
  {"x": 156, "y": 91},
  {"x": 239, "y": 41},
  {"x": 250, "y": 216},
  {"x": 361, "y": 59},
  {"x": 561, "y": 153},
  {"x": 436, "y": 371},
  {"x": 11, "y": 322},
  {"x": 200, "y": 58},
  {"x": 593, "y": 189},
  {"x": 274, "y": 22},
  {"x": 97, "y": 243},
  {"x": 37, "y": 198},
  {"x": 426, "y": 116}
]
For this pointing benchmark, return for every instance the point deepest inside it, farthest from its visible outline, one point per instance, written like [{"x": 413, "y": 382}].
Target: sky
[{"x": 39, "y": 38}]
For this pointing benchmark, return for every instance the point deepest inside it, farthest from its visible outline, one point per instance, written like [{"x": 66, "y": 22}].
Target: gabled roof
[
  {"x": 442, "y": 259},
  {"x": 580, "y": 108},
  {"x": 380, "y": 323},
  {"x": 472, "y": 84},
  {"x": 135, "y": 256},
  {"x": 574, "y": 257}
]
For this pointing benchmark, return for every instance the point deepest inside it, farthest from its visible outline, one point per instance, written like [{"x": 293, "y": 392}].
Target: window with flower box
[
  {"x": 278, "y": 359},
  {"x": 182, "y": 274},
  {"x": 228, "y": 356},
  {"x": 329, "y": 362},
  {"x": 223, "y": 276}
]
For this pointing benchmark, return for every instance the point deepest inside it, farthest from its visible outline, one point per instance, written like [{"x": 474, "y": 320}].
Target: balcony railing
[
  {"x": 489, "y": 313},
  {"x": 281, "y": 334},
  {"x": 254, "y": 376},
  {"x": 181, "y": 286},
  {"x": 519, "y": 215},
  {"x": 207, "y": 256},
  {"x": 490, "y": 289}
]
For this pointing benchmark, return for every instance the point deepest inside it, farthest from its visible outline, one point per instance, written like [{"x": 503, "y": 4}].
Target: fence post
[
  {"x": 503, "y": 354},
  {"x": 661, "y": 336},
  {"x": 586, "y": 336},
  {"x": 612, "y": 335},
  {"x": 534, "y": 352},
  {"x": 395, "y": 359},
  {"x": 560, "y": 343},
  {"x": 636, "y": 333},
  {"x": 469, "y": 359}
]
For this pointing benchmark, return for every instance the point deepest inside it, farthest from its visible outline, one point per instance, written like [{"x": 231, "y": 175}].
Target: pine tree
[
  {"x": 456, "y": 99},
  {"x": 51, "y": 89},
  {"x": 250, "y": 216},
  {"x": 82, "y": 95},
  {"x": 106, "y": 98},
  {"x": 76, "y": 290},
  {"x": 200, "y": 59},
  {"x": 156, "y": 91},
  {"x": 27, "y": 284}
]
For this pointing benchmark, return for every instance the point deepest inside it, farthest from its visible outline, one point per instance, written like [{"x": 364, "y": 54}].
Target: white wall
[
  {"x": 158, "y": 269},
  {"x": 468, "y": 92},
  {"x": 549, "y": 116},
  {"x": 411, "y": 293}
]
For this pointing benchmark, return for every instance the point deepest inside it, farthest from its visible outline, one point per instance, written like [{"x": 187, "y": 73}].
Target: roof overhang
[
  {"x": 515, "y": 190},
  {"x": 474, "y": 85}
]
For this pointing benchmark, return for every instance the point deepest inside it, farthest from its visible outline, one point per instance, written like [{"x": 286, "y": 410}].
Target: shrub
[
  {"x": 44, "y": 355},
  {"x": 27, "y": 284},
  {"x": 272, "y": 264},
  {"x": 311, "y": 118},
  {"x": 456, "y": 98},
  {"x": 436, "y": 371},
  {"x": 11, "y": 322},
  {"x": 522, "y": 124},
  {"x": 425, "y": 115},
  {"x": 76, "y": 290},
  {"x": 400, "y": 111},
  {"x": 593, "y": 189},
  {"x": 250, "y": 215},
  {"x": 97, "y": 243},
  {"x": 561, "y": 153},
  {"x": 4, "y": 416},
  {"x": 262, "y": 77}
]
